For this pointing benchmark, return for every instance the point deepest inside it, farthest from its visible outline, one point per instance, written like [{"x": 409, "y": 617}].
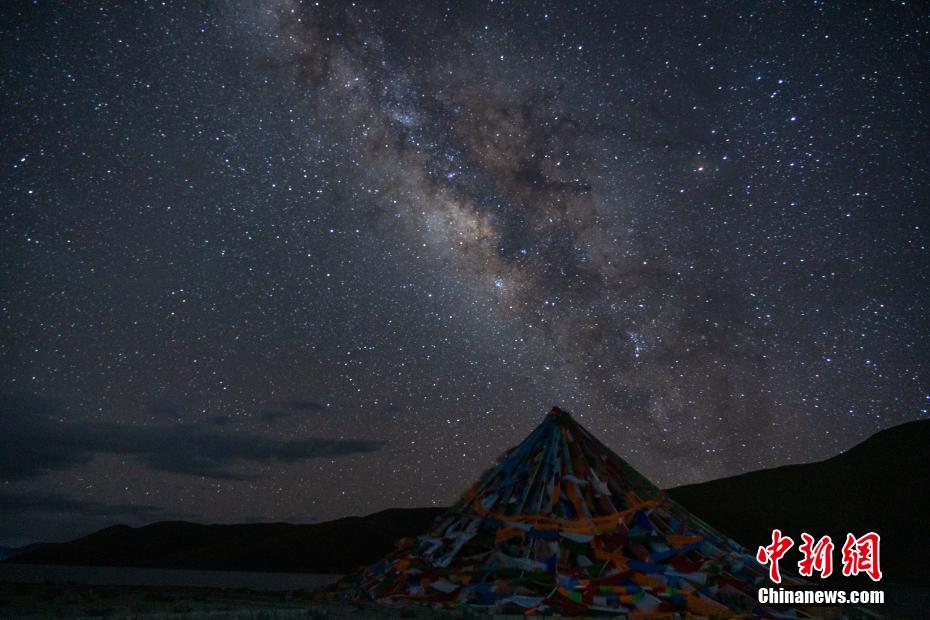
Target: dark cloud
[
  {"x": 277, "y": 412},
  {"x": 33, "y": 442},
  {"x": 273, "y": 416},
  {"x": 39, "y": 503},
  {"x": 36, "y": 442}
]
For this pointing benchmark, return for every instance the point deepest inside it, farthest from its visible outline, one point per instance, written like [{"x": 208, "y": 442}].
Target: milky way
[{"x": 346, "y": 254}]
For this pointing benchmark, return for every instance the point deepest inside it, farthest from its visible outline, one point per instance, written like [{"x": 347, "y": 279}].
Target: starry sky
[{"x": 296, "y": 261}]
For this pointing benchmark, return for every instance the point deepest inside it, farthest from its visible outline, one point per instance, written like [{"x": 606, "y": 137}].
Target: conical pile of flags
[{"x": 562, "y": 525}]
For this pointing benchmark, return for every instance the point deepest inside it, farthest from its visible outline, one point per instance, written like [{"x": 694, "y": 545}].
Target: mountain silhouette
[{"x": 880, "y": 485}]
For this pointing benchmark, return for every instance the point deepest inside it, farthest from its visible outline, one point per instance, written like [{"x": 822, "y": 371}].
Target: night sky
[{"x": 281, "y": 261}]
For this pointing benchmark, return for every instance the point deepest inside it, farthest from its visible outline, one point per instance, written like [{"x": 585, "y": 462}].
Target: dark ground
[{"x": 45, "y": 601}]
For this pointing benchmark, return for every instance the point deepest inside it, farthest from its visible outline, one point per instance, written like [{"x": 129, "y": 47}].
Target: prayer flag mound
[{"x": 562, "y": 525}]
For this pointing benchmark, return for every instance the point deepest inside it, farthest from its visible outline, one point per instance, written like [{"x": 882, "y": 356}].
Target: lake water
[{"x": 106, "y": 575}]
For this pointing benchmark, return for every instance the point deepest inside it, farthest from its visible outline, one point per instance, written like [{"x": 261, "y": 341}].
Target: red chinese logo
[
  {"x": 817, "y": 557},
  {"x": 773, "y": 553},
  {"x": 860, "y": 555}
]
